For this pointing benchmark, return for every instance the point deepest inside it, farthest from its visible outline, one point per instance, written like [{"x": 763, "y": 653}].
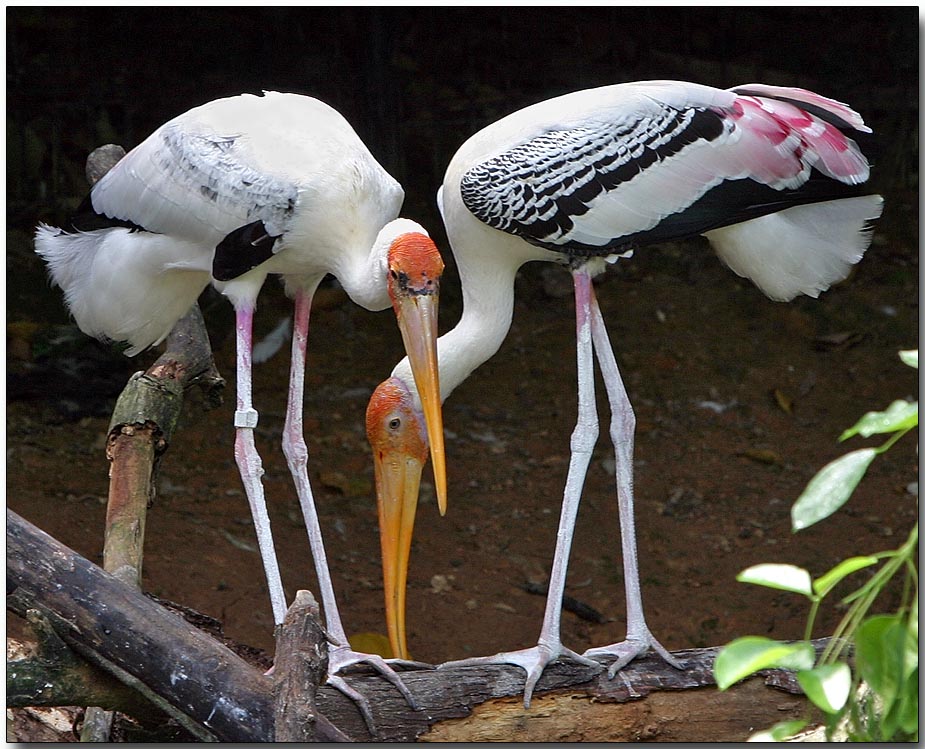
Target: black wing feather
[{"x": 536, "y": 189}]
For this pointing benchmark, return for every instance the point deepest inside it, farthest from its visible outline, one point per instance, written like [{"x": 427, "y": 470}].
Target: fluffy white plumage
[
  {"x": 119, "y": 286},
  {"x": 802, "y": 250},
  {"x": 290, "y": 161}
]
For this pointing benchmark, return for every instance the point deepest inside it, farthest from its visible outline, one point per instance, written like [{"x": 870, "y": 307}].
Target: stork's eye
[{"x": 394, "y": 423}]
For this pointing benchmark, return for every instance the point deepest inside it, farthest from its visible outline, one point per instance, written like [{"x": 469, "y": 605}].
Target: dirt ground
[{"x": 739, "y": 402}]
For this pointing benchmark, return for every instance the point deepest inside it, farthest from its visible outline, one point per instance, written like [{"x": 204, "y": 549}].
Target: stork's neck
[
  {"x": 365, "y": 281},
  {"x": 363, "y": 271},
  {"x": 486, "y": 272}
]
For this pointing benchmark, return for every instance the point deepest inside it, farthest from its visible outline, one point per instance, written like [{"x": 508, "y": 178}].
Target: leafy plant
[{"x": 878, "y": 699}]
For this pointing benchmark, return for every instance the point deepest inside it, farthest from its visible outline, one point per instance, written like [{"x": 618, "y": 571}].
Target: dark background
[{"x": 416, "y": 82}]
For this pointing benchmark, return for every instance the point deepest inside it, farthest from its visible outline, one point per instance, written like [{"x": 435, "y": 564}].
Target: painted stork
[
  {"x": 769, "y": 175},
  {"x": 230, "y": 192}
]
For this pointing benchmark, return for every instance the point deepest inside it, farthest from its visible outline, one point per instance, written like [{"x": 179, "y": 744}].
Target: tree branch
[
  {"x": 300, "y": 667},
  {"x": 56, "y": 676},
  {"x": 209, "y": 690},
  {"x": 216, "y": 695},
  {"x": 142, "y": 425}
]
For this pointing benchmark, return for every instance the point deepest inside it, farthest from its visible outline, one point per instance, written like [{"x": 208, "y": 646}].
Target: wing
[
  {"x": 195, "y": 182},
  {"x": 643, "y": 173}
]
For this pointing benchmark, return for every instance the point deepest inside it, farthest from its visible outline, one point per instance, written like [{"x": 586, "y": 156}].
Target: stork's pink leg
[
  {"x": 340, "y": 655},
  {"x": 549, "y": 647},
  {"x": 622, "y": 428},
  {"x": 249, "y": 463}
]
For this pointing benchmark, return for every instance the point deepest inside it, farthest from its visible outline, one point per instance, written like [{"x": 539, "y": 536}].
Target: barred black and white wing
[
  {"x": 575, "y": 188},
  {"x": 659, "y": 169}
]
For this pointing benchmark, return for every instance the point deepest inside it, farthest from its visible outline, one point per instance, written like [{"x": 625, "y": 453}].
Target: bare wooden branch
[
  {"x": 56, "y": 676},
  {"x": 141, "y": 428},
  {"x": 648, "y": 698},
  {"x": 101, "y": 160},
  {"x": 183, "y": 671},
  {"x": 300, "y": 667},
  {"x": 694, "y": 715},
  {"x": 203, "y": 685}
]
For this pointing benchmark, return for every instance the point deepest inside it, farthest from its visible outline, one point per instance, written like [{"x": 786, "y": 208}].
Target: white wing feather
[{"x": 802, "y": 250}]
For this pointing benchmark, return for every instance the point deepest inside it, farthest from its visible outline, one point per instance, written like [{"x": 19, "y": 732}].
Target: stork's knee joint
[
  {"x": 296, "y": 452},
  {"x": 584, "y": 438}
]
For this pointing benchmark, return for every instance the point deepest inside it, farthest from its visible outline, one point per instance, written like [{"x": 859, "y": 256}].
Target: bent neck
[
  {"x": 365, "y": 281},
  {"x": 488, "y": 305}
]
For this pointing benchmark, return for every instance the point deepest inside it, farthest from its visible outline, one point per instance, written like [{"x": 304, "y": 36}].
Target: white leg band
[{"x": 246, "y": 417}]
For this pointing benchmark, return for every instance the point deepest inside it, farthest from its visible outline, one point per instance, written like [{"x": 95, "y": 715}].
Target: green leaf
[
  {"x": 913, "y": 620},
  {"x": 910, "y": 357},
  {"x": 827, "y": 686},
  {"x": 886, "y": 654},
  {"x": 746, "y": 655},
  {"x": 830, "y": 579},
  {"x": 898, "y": 416},
  {"x": 779, "y": 576},
  {"x": 779, "y": 731},
  {"x": 908, "y": 712},
  {"x": 830, "y": 488}
]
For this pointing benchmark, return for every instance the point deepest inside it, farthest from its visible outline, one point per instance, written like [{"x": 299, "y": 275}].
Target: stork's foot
[
  {"x": 341, "y": 657},
  {"x": 532, "y": 660},
  {"x": 630, "y": 648}
]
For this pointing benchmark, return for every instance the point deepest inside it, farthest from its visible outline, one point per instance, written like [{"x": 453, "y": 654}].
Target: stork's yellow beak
[
  {"x": 396, "y": 437},
  {"x": 417, "y": 320},
  {"x": 397, "y": 481}
]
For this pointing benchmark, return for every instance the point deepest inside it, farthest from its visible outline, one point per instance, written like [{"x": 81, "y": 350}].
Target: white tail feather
[
  {"x": 118, "y": 292},
  {"x": 802, "y": 250}
]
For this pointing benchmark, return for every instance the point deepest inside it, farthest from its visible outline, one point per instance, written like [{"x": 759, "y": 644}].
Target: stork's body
[
  {"x": 231, "y": 192},
  {"x": 767, "y": 174}
]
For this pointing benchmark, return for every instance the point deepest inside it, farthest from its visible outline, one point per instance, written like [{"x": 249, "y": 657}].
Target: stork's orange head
[
  {"x": 415, "y": 267},
  {"x": 414, "y": 272},
  {"x": 398, "y": 440}
]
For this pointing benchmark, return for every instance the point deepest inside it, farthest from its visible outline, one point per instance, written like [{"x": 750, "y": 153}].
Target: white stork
[
  {"x": 232, "y": 191},
  {"x": 767, "y": 174}
]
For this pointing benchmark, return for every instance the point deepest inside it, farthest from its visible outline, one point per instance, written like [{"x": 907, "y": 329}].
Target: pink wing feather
[{"x": 781, "y": 142}]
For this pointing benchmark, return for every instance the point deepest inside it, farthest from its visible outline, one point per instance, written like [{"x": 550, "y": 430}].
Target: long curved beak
[
  {"x": 417, "y": 320},
  {"x": 398, "y": 478}
]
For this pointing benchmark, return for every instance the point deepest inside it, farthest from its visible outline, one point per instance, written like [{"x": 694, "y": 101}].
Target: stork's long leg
[
  {"x": 622, "y": 428},
  {"x": 340, "y": 655},
  {"x": 249, "y": 463},
  {"x": 549, "y": 647}
]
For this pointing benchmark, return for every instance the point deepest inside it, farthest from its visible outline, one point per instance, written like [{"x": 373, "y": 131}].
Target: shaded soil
[{"x": 739, "y": 402}]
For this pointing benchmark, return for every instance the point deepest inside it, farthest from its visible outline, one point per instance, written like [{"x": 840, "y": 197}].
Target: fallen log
[
  {"x": 647, "y": 700},
  {"x": 55, "y": 676},
  {"x": 215, "y": 695},
  {"x": 209, "y": 690}
]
